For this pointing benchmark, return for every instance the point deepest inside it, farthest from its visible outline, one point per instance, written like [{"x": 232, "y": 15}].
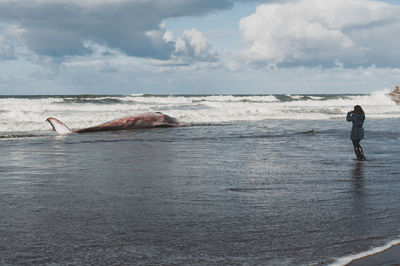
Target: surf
[{"x": 26, "y": 113}]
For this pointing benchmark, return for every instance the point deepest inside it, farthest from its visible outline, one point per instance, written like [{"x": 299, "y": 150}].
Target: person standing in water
[{"x": 357, "y": 117}]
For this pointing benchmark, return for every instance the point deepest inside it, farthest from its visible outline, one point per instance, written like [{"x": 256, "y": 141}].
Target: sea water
[{"x": 251, "y": 179}]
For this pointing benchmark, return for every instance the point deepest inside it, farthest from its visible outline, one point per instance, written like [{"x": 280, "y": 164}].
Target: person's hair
[{"x": 358, "y": 110}]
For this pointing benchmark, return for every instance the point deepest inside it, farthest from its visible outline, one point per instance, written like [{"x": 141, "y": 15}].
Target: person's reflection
[
  {"x": 358, "y": 177},
  {"x": 358, "y": 212},
  {"x": 358, "y": 171}
]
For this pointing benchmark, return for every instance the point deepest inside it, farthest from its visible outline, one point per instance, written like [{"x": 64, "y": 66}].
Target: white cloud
[
  {"x": 194, "y": 45},
  {"x": 191, "y": 48},
  {"x": 322, "y": 33}
]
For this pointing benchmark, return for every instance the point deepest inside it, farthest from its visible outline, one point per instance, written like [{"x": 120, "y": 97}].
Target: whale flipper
[{"x": 59, "y": 126}]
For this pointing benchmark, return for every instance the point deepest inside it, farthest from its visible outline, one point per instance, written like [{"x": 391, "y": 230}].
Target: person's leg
[
  {"x": 358, "y": 150},
  {"x": 356, "y": 145},
  {"x": 362, "y": 157}
]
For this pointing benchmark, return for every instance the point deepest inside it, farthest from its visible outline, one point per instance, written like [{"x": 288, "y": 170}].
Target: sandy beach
[{"x": 273, "y": 192}]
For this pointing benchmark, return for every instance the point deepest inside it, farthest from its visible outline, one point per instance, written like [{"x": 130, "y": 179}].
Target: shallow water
[{"x": 272, "y": 192}]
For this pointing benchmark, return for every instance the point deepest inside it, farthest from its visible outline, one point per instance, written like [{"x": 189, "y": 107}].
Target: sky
[{"x": 66, "y": 47}]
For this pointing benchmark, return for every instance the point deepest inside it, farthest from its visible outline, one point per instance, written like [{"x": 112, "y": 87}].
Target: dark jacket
[{"x": 357, "y": 132}]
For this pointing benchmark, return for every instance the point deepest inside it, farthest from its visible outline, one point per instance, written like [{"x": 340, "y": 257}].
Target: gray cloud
[
  {"x": 6, "y": 51},
  {"x": 61, "y": 28},
  {"x": 7, "y": 47}
]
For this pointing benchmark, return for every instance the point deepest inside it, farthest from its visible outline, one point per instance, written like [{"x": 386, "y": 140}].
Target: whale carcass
[{"x": 148, "y": 120}]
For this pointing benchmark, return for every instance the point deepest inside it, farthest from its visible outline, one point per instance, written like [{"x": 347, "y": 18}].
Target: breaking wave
[{"x": 28, "y": 113}]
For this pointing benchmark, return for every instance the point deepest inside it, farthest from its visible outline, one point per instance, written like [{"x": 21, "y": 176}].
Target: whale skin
[{"x": 148, "y": 120}]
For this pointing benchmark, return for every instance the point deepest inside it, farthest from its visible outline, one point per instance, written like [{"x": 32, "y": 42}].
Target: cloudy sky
[{"x": 198, "y": 46}]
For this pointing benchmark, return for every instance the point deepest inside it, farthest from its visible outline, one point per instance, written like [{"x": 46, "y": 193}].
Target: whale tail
[{"x": 59, "y": 126}]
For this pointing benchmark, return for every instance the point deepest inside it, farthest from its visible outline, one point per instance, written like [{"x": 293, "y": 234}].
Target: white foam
[
  {"x": 297, "y": 97},
  {"x": 29, "y": 114},
  {"x": 316, "y": 97},
  {"x": 350, "y": 258}
]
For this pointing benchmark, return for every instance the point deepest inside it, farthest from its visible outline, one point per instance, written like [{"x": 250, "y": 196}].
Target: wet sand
[
  {"x": 262, "y": 193},
  {"x": 389, "y": 256}
]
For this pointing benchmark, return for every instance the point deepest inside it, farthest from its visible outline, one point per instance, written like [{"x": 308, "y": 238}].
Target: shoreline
[{"x": 388, "y": 254}]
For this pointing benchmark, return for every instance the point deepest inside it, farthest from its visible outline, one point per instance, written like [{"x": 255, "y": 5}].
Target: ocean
[{"x": 250, "y": 179}]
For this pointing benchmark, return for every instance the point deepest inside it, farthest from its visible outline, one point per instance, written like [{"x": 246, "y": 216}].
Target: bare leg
[
  {"x": 361, "y": 152},
  {"x": 358, "y": 150}
]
